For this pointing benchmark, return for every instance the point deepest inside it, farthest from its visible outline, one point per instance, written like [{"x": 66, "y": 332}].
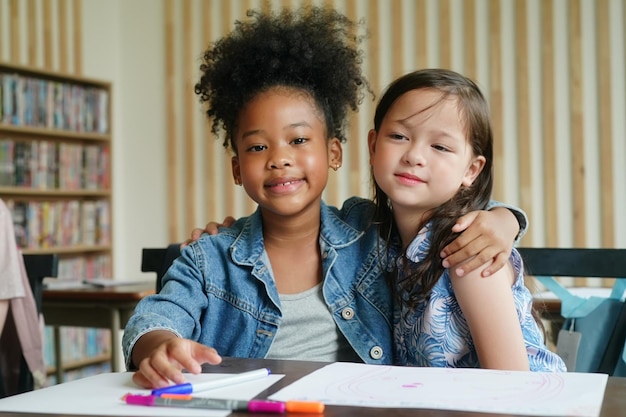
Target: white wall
[{"x": 123, "y": 43}]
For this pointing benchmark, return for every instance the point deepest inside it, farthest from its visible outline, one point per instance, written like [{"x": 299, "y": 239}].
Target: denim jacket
[{"x": 220, "y": 292}]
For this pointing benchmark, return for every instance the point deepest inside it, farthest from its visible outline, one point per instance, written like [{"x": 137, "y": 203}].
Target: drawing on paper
[{"x": 508, "y": 392}]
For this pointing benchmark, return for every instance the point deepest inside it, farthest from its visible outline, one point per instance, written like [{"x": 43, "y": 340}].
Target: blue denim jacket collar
[{"x": 246, "y": 250}]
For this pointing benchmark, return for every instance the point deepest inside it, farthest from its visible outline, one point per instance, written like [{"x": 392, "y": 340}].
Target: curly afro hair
[{"x": 313, "y": 49}]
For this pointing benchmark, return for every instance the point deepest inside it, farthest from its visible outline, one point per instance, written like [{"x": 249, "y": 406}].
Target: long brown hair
[{"x": 474, "y": 113}]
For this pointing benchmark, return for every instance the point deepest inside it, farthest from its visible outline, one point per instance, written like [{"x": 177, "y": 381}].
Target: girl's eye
[
  {"x": 256, "y": 148},
  {"x": 397, "y": 136},
  {"x": 299, "y": 141},
  {"x": 441, "y": 148}
]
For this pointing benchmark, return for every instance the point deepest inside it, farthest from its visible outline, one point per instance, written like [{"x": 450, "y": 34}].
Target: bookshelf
[{"x": 55, "y": 177}]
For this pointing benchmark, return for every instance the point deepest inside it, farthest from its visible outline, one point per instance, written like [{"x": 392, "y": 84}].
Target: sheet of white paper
[
  {"x": 101, "y": 394},
  {"x": 478, "y": 390}
]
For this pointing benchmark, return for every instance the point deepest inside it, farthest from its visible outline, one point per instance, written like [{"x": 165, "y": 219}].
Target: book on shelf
[
  {"x": 36, "y": 102},
  {"x": 48, "y": 223},
  {"x": 47, "y": 165}
]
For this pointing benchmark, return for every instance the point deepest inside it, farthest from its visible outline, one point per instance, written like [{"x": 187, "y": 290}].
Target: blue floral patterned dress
[{"x": 437, "y": 335}]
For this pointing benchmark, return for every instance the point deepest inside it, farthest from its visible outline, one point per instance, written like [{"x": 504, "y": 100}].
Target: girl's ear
[
  {"x": 234, "y": 162},
  {"x": 475, "y": 167},
  {"x": 371, "y": 143},
  {"x": 335, "y": 153}
]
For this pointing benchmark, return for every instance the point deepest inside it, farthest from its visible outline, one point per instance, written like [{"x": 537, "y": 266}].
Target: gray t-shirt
[{"x": 308, "y": 332}]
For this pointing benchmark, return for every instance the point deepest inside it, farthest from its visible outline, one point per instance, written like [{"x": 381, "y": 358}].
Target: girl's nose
[
  {"x": 414, "y": 155},
  {"x": 280, "y": 159}
]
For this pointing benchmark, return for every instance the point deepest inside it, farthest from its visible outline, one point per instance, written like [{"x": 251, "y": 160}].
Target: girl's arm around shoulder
[{"x": 488, "y": 306}]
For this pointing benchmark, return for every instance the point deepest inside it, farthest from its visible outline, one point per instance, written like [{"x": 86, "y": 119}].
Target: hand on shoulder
[{"x": 211, "y": 228}]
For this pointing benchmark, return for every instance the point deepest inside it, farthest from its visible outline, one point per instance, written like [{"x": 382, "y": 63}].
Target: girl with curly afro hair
[
  {"x": 311, "y": 49},
  {"x": 297, "y": 279}
]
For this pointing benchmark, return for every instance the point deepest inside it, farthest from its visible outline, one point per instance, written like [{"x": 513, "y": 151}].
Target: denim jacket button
[
  {"x": 347, "y": 313},
  {"x": 376, "y": 352}
]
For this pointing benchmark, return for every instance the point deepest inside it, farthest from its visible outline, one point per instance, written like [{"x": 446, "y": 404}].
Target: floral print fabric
[{"x": 436, "y": 333}]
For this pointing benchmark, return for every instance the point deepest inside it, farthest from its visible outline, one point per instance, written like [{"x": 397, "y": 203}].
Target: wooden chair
[{"x": 158, "y": 260}]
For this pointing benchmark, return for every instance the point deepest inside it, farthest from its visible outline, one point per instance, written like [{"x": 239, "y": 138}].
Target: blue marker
[{"x": 188, "y": 388}]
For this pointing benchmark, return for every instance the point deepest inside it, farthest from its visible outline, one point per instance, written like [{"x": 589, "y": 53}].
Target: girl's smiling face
[
  {"x": 283, "y": 153},
  {"x": 421, "y": 155}
]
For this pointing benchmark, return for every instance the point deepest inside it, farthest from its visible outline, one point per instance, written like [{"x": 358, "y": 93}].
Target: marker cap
[
  {"x": 313, "y": 407},
  {"x": 186, "y": 388},
  {"x": 139, "y": 399},
  {"x": 265, "y": 406}
]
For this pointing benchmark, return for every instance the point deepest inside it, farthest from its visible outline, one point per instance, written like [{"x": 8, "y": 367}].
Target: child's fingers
[
  {"x": 155, "y": 373},
  {"x": 500, "y": 260},
  {"x": 140, "y": 380},
  {"x": 211, "y": 228},
  {"x": 462, "y": 249},
  {"x": 196, "y": 233},
  {"x": 228, "y": 221},
  {"x": 453, "y": 252},
  {"x": 199, "y": 354},
  {"x": 465, "y": 221},
  {"x": 462, "y": 241},
  {"x": 186, "y": 354}
]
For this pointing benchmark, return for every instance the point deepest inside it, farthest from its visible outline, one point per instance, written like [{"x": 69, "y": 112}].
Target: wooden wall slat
[
  {"x": 77, "y": 11},
  {"x": 228, "y": 15},
  {"x": 373, "y": 55},
  {"x": 445, "y": 34},
  {"x": 47, "y": 34},
  {"x": 495, "y": 96},
  {"x": 523, "y": 114},
  {"x": 332, "y": 190},
  {"x": 170, "y": 123},
  {"x": 62, "y": 27},
  {"x": 354, "y": 134},
  {"x": 469, "y": 37},
  {"x": 398, "y": 59},
  {"x": 250, "y": 204},
  {"x": 210, "y": 200},
  {"x": 605, "y": 122},
  {"x": 2, "y": 19},
  {"x": 265, "y": 6},
  {"x": 188, "y": 103},
  {"x": 548, "y": 131},
  {"x": 33, "y": 42},
  {"x": 14, "y": 8},
  {"x": 577, "y": 125},
  {"x": 605, "y": 133},
  {"x": 421, "y": 35}
]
